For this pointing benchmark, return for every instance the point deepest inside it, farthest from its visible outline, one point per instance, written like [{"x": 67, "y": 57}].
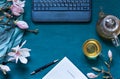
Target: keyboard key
[
  {"x": 74, "y": 5},
  {"x": 74, "y": 8},
  {"x": 35, "y": 4},
  {"x": 62, "y": 5},
  {"x": 70, "y": 8},
  {"x": 78, "y": 8},
  {"x": 66, "y": 5},
  {"x": 84, "y": 4},
  {"x": 35, "y": 8},
  {"x": 81, "y": 8},
  {"x": 36, "y": 0},
  {"x": 78, "y": 4},
  {"x": 42, "y": 4}
]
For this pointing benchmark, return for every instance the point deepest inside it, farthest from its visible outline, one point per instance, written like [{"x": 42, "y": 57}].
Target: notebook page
[{"x": 65, "y": 69}]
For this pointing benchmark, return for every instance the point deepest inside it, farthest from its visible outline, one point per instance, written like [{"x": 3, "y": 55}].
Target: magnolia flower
[
  {"x": 19, "y": 53},
  {"x": 19, "y": 3},
  {"x": 110, "y": 55},
  {"x": 22, "y": 24},
  {"x": 92, "y": 75},
  {"x": 4, "y": 68},
  {"x": 16, "y": 10}
]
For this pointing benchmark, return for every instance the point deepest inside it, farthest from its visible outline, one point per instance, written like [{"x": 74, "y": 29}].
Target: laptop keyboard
[{"x": 61, "y": 5}]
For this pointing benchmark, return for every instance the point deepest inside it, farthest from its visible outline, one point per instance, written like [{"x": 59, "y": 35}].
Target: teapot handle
[{"x": 115, "y": 40}]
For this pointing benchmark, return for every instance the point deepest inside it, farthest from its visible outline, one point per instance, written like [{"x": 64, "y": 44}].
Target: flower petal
[
  {"x": 16, "y": 48},
  {"x": 92, "y": 75},
  {"x": 23, "y": 44},
  {"x": 25, "y": 52},
  {"x": 22, "y": 3},
  {"x": 22, "y": 24},
  {"x": 19, "y": 3},
  {"x": 16, "y": 13},
  {"x": 11, "y": 53},
  {"x": 11, "y": 59},
  {"x": 5, "y": 67},
  {"x": 16, "y": 9},
  {"x": 110, "y": 54},
  {"x": 16, "y": 59},
  {"x": 23, "y": 60}
]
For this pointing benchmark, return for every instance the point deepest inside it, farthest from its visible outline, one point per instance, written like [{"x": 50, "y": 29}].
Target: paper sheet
[{"x": 65, "y": 69}]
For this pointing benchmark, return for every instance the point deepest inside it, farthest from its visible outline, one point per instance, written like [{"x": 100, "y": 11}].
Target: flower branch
[
  {"x": 106, "y": 73},
  {"x": 10, "y": 12}
]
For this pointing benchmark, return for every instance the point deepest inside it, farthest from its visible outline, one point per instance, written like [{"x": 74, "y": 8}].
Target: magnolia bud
[
  {"x": 22, "y": 24},
  {"x": 110, "y": 55},
  {"x": 92, "y": 75}
]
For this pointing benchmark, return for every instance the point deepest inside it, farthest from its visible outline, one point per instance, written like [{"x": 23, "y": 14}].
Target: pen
[{"x": 44, "y": 67}]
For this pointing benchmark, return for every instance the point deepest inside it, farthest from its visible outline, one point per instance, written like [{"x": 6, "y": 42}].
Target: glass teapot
[{"x": 108, "y": 27}]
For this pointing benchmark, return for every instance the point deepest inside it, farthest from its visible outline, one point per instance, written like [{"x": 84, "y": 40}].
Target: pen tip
[
  {"x": 56, "y": 60},
  {"x": 32, "y": 73}
]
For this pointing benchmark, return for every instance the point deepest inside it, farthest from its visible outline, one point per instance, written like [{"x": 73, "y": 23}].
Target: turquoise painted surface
[{"x": 57, "y": 40}]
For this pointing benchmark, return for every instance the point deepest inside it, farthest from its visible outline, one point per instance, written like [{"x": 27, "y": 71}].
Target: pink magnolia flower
[
  {"x": 19, "y": 53},
  {"x": 22, "y": 24},
  {"x": 4, "y": 68},
  {"x": 110, "y": 55},
  {"x": 92, "y": 75},
  {"x": 16, "y": 10}
]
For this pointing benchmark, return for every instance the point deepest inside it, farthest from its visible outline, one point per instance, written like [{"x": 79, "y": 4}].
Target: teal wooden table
[{"x": 57, "y": 40}]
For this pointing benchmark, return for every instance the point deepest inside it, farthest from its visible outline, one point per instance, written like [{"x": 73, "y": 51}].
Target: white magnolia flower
[
  {"x": 4, "y": 68},
  {"x": 110, "y": 55},
  {"x": 19, "y": 3},
  {"x": 92, "y": 75},
  {"x": 19, "y": 53}
]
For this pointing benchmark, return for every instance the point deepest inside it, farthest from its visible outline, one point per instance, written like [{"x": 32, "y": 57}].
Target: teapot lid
[{"x": 111, "y": 23}]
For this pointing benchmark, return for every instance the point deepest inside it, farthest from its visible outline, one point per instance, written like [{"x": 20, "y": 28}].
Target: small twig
[
  {"x": 7, "y": 14},
  {"x": 1, "y": 18},
  {"x": 36, "y": 31},
  {"x": 4, "y": 24}
]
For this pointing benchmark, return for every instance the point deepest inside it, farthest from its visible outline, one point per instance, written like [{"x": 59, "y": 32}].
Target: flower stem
[{"x": 36, "y": 31}]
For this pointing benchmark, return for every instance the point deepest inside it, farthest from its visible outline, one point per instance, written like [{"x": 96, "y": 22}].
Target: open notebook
[{"x": 65, "y": 69}]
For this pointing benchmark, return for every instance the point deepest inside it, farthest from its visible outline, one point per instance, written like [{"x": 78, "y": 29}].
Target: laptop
[{"x": 61, "y": 10}]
